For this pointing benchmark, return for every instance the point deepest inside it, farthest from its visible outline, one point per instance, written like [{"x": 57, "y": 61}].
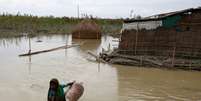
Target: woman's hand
[{"x": 71, "y": 83}]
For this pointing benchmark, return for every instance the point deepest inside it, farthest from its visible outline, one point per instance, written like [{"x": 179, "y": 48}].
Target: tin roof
[{"x": 162, "y": 16}]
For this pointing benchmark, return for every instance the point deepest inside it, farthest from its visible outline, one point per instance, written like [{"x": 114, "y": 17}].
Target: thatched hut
[{"x": 87, "y": 29}]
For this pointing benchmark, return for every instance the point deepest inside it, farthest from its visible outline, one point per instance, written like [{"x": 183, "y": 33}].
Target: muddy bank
[{"x": 152, "y": 61}]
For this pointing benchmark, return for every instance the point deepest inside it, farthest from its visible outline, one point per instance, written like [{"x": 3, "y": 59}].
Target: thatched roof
[{"x": 87, "y": 29}]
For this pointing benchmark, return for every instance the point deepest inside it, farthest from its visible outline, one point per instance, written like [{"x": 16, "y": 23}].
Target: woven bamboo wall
[{"x": 184, "y": 39}]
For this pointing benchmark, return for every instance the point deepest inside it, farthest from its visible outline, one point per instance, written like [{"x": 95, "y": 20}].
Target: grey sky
[{"x": 100, "y": 8}]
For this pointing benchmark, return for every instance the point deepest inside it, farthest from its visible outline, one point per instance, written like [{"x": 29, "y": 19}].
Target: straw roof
[{"x": 87, "y": 29}]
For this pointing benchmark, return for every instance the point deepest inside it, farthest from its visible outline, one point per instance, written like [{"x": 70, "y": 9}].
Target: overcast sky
[{"x": 100, "y": 8}]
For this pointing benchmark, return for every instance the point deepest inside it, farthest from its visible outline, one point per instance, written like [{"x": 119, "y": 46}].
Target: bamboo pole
[
  {"x": 97, "y": 57},
  {"x": 66, "y": 45},
  {"x": 173, "y": 56},
  {"x": 174, "y": 49},
  {"x": 141, "y": 60},
  {"x": 136, "y": 39},
  {"x": 29, "y": 45},
  {"x": 99, "y": 62},
  {"x": 49, "y": 50}
]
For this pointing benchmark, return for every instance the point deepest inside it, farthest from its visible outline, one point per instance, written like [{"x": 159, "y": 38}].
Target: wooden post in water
[
  {"x": 49, "y": 50},
  {"x": 66, "y": 45},
  {"x": 29, "y": 66},
  {"x": 99, "y": 63},
  {"x": 173, "y": 56},
  {"x": 136, "y": 39},
  {"x": 190, "y": 61},
  {"x": 141, "y": 60},
  {"x": 29, "y": 44}
]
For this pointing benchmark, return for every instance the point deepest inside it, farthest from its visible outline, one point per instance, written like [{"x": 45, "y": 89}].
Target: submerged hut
[
  {"x": 170, "y": 34},
  {"x": 87, "y": 29}
]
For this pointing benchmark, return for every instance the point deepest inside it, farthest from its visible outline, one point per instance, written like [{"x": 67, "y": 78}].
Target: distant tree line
[{"x": 17, "y": 24}]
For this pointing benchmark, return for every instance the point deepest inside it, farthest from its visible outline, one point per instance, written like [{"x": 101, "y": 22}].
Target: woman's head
[{"x": 54, "y": 84}]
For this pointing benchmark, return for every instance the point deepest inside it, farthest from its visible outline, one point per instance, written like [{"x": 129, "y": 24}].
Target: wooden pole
[
  {"x": 174, "y": 49},
  {"x": 49, "y": 50},
  {"x": 98, "y": 59},
  {"x": 99, "y": 64},
  {"x": 190, "y": 63},
  {"x": 136, "y": 39},
  {"x": 173, "y": 56},
  {"x": 141, "y": 60},
  {"x": 66, "y": 45},
  {"x": 29, "y": 45}
]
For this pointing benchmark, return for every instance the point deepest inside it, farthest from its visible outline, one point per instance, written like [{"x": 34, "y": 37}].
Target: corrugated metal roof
[{"x": 162, "y": 16}]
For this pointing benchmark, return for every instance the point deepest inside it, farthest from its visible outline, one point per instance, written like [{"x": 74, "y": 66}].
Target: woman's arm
[{"x": 69, "y": 84}]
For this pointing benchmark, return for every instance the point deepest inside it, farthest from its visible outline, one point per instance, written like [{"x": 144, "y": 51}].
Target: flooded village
[
  {"x": 169, "y": 40},
  {"x": 142, "y": 58}
]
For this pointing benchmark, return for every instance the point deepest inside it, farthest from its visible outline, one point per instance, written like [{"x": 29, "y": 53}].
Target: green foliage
[{"x": 16, "y": 25}]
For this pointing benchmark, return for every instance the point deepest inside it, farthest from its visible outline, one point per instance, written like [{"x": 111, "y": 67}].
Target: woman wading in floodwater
[{"x": 56, "y": 90}]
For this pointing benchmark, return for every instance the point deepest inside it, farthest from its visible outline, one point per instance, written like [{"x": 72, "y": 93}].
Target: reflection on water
[
  {"x": 26, "y": 78},
  {"x": 6, "y": 42},
  {"x": 29, "y": 67},
  {"x": 90, "y": 44}
]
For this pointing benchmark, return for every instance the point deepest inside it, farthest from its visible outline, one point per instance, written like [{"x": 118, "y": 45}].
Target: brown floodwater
[{"x": 27, "y": 78}]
